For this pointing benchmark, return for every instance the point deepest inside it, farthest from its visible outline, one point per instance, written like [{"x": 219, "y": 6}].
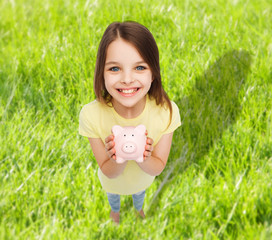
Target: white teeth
[{"x": 127, "y": 90}]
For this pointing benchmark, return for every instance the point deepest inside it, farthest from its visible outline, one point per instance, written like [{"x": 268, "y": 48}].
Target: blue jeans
[{"x": 138, "y": 200}]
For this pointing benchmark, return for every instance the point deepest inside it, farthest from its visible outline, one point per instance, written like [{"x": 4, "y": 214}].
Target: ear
[
  {"x": 140, "y": 129},
  {"x": 116, "y": 129}
]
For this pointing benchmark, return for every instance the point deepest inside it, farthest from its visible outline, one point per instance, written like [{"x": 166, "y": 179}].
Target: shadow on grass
[{"x": 211, "y": 108}]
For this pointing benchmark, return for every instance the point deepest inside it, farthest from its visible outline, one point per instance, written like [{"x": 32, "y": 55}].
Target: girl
[{"x": 128, "y": 88}]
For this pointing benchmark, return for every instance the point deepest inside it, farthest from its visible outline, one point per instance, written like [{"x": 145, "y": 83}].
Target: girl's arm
[
  {"x": 156, "y": 159},
  {"x": 105, "y": 156}
]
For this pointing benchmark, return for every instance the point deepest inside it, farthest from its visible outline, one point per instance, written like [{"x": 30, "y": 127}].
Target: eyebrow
[
  {"x": 116, "y": 63},
  {"x": 111, "y": 62}
]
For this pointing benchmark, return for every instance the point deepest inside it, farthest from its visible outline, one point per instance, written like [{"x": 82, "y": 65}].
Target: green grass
[{"x": 216, "y": 59}]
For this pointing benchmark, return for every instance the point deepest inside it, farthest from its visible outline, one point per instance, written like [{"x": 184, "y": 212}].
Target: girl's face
[{"x": 127, "y": 78}]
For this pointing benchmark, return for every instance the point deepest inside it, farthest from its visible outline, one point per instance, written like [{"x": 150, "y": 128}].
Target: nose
[
  {"x": 129, "y": 147},
  {"x": 127, "y": 78}
]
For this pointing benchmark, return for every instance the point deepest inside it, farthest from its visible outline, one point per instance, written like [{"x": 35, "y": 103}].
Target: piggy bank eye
[
  {"x": 125, "y": 135},
  {"x": 132, "y": 135}
]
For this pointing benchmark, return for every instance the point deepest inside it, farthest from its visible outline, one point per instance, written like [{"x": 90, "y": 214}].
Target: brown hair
[{"x": 144, "y": 42}]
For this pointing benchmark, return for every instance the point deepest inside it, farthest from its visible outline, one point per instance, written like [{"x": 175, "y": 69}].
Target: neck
[{"x": 129, "y": 112}]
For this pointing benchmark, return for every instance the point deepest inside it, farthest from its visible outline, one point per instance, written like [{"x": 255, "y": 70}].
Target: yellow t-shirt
[{"x": 96, "y": 120}]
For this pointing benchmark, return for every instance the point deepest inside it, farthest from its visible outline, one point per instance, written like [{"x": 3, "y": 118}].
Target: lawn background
[{"x": 216, "y": 59}]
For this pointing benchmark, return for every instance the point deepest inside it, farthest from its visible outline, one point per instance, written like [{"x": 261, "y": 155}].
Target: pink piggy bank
[{"x": 129, "y": 143}]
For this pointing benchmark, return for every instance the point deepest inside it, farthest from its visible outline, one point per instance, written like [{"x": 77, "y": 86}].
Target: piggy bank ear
[
  {"x": 140, "y": 129},
  {"x": 116, "y": 130}
]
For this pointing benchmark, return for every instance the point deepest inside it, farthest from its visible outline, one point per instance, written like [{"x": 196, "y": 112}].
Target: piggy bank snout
[{"x": 129, "y": 147}]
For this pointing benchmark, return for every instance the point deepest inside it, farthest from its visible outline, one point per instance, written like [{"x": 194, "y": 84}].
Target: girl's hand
[
  {"x": 109, "y": 147},
  {"x": 148, "y": 147}
]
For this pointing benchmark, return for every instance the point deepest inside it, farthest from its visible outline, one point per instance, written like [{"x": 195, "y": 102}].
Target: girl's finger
[
  {"x": 109, "y": 145},
  {"x": 109, "y": 138},
  {"x": 111, "y": 153},
  {"x": 149, "y": 141},
  {"x": 147, "y": 154},
  {"x": 149, "y": 148}
]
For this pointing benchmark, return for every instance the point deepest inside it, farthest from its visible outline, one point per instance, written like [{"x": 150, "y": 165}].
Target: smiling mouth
[{"x": 128, "y": 91}]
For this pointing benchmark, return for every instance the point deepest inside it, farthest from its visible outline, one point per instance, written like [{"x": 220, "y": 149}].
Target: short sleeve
[
  {"x": 86, "y": 125},
  {"x": 175, "y": 121}
]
